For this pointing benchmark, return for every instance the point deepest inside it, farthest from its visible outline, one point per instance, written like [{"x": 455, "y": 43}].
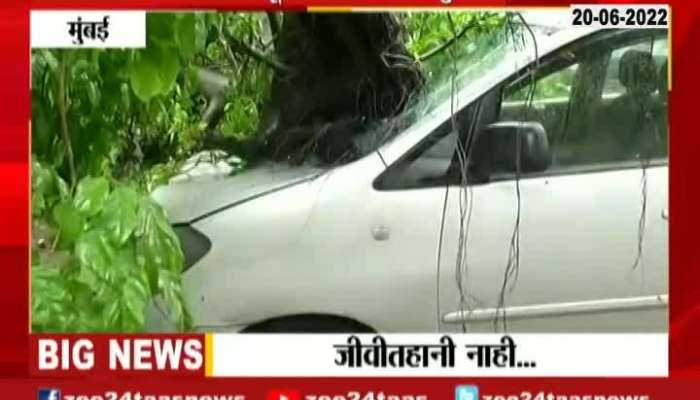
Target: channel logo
[
  {"x": 49, "y": 394},
  {"x": 467, "y": 392},
  {"x": 283, "y": 395}
]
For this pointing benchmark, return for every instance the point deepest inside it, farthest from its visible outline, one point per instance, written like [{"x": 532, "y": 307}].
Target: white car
[{"x": 411, "y": 237}]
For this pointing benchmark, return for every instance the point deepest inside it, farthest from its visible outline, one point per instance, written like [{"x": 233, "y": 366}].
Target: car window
[
  {"x": 572, "y": 97},
  {"x": 432, "y": 164},
  {"x": 428, "y": 164},
  {"x": 547, "y": 101},
  {"x": 659, "y": 50},
  {"x": 600, "y": 104}
]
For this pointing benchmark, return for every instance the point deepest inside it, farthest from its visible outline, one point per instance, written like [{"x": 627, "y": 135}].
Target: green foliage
[
  {"x": 129, "y": 111},
  {"x": 126, "y": 110},
  {"x": 549, "y": 87},
  {"x": 102, "y": 250},
  {"x": 100, "y": 256},
  {"x": 429, "y": 31},
  {"x": 251, "y": 79}
]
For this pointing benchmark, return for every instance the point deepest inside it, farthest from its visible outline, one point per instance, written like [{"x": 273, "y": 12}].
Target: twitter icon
[{"x": 467, "y": 392}]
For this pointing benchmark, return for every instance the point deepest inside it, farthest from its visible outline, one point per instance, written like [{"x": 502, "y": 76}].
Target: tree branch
[
  {"x": 241, "y": 47},
  {"x": 429, "y": 54},
  {"x": 275, "y": 27},
  {"x": 62, "y": 98}
]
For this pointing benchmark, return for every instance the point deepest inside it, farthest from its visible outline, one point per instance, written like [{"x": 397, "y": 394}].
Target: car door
[{"x": 581, "y": 246}]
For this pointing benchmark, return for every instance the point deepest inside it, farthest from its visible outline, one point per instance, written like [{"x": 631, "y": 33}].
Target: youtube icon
[{"x": 283, "y": 395}]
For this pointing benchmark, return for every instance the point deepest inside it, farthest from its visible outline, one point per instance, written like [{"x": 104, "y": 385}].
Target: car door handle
[
  {"x": 380, "y": 232},
  {"x": 559, "y": 309},
  {"x": 664, "y": 214}
]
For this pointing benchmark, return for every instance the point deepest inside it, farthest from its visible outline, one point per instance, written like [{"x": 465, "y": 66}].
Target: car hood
[{"x": 210, "y": 187}]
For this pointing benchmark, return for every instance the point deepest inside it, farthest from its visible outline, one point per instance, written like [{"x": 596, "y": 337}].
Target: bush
[{"x": 100, "y": 256}]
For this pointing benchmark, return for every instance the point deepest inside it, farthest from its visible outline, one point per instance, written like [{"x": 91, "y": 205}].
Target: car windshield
[{"x": 463, "y": 73}]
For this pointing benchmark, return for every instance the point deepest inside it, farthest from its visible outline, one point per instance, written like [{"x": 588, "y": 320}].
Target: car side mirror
[{"x": 495, "y": 149}]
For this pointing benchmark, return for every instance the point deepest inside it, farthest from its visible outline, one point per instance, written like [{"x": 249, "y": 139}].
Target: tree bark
[{"x": 343, "y": 72}]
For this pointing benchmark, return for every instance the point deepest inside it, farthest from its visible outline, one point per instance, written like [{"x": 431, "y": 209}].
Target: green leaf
[
  {"x": 93, "y": 251},
  {"x": 50, "y": 59},
  {"x": 201, "y": 31},
  {"x": 42, "y": 179},
  {"x": 169, "y": 67},
  {"x": 45, "y": 180},
  {"x": 159, "y": 27},
  {"x": 157, "y": 248},
  {"x": 51, "y": 303},
  {"x": 154, "y": 71},
  {"x": 89, "y": 278},
  {"x": 69, "y": 221},
  {"x": 170, "y": 286},
  {"x": 91, "y": 194},
  {"x": 186, "y": 34},
  {"x": 134, "y": 301},
  {"x": 93, "y": 94},
  {"x": 119, "y": 215},
  {"x": 38, "y": 204},
  {"x": 124, "y": 263},
  {"x": 61, "y": 186},
  {"x": 111, "y": 314},
  {"x": 144, "y": 78}
]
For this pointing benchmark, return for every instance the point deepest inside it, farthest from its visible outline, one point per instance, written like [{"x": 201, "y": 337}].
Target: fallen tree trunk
[{"x": 338, "y": 73}]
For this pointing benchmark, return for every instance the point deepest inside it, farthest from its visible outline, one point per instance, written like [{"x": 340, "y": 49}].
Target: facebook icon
[
  {"x": 49, "y": 394},
  {"x": 467, "y": 392}
]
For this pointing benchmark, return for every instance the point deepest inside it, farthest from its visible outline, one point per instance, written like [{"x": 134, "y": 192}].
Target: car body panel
[
  {"x": 188, "y": 198},
  {"x": 578, "y": 241},
  {"x": 283, "y": 268}
]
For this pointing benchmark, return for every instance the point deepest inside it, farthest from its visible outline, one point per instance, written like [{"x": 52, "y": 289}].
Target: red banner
[
  {"x": 19, "y": 352},
  {"x": 117, "y": 355}
]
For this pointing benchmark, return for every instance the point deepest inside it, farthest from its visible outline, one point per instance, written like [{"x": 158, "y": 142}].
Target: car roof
[
  {"x": 551, "y": 19},
  {"x": 553, "y": 28}
]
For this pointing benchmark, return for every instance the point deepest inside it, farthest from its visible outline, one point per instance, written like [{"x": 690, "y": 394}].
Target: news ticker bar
[
  {"x": 342, "y": 355},
  {"x": 461, "y": 392},
  {"x": 360, "y": 389}
]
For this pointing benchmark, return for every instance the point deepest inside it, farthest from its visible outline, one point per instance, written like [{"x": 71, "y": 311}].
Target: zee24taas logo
[
  {"x": 49, "y": 394},
  {"x": 467, "y": 392}
]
